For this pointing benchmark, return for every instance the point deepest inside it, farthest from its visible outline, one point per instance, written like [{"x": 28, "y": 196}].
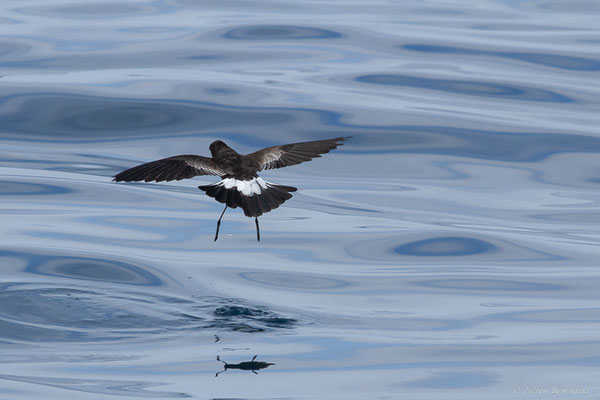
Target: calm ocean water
[{"x": 449, "y": 250}]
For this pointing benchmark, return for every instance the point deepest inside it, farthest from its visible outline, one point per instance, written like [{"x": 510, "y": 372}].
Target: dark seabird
[{"x": 240, "y": 185}]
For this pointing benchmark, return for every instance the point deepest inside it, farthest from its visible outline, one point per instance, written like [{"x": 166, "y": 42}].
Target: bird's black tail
[{"x": 254, "y": 196}]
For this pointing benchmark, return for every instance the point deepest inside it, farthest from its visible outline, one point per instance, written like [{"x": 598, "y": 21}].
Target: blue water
[{"x": 449, "y": 250}]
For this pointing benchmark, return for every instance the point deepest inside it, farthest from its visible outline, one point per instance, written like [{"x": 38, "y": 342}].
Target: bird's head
[{"x": 216, "y": 147}]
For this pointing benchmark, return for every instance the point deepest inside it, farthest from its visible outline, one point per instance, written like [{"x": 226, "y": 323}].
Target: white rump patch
[{"x": 247, "y": 188}]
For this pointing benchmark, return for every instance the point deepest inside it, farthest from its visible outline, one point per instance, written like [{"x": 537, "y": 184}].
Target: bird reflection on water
[{"x": 246, "y": 365}]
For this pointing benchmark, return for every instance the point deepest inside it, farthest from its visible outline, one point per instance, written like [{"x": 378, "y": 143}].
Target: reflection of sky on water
[{"x": 450, "y": 246}]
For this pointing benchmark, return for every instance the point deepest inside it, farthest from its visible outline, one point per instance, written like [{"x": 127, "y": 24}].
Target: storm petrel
[{"x": 240, "y": 185}]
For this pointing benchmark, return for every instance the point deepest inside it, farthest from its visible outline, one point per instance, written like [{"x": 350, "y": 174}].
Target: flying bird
[{"x": 240, "y": 185}]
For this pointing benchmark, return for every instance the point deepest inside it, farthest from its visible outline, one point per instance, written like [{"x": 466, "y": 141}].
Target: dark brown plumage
[{"x": 240, "y": 185}]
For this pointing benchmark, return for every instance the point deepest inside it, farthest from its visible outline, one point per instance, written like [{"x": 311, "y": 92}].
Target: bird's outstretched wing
[
  {"x": 171, "y": 168},
  {"x": 295, "y": 153}
]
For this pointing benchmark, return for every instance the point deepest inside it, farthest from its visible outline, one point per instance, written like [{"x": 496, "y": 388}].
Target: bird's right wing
[
  {"x": 295, "y": 153},
  {"x": 171, "y": 168}
]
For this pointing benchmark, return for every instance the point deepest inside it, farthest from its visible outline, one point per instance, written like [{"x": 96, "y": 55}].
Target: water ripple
[
  {"x": 455, "y": 380},
  {"x": 293, "y": 281},
  {"x": 11, "y": 188},
  {"x": 92, "y": 269},
  {"x": 445, "y": 247},
  {"x": 99, "y": 386},
  {"x": 433, "y": 248},
  {"x": 92, "y": 10},
  {"x": 12, "y": 49},
  {"x": 241, "y": 318},
  {"x": 87, "y": 116},
  {"x": 487, "y": 285},
  {"x": 280, "y": 32},
  {"x": 550, "y": 60},
  {"x": 467, "y": 87},
  {"x": 39, "y": 313},
  {"x": 487, "y": 144}
]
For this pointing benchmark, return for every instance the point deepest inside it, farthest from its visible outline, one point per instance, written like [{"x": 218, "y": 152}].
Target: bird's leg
[
  {"x": 219, "y": 223},
  {"x": 224, "y": 366},
  {"x": 257, "y": 229}
]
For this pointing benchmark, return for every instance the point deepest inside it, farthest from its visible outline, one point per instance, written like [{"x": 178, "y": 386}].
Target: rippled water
[{"x": 448, "y": 250}]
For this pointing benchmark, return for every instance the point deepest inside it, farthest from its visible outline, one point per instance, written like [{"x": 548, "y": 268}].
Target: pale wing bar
[
  {"x": 169, "y": 169},
  {"x": 295, "y": 153}
]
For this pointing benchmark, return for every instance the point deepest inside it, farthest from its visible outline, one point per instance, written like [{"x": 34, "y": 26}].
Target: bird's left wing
[
  {"x": 171, "y": 168},
  {"x": 295, "y": 153}
]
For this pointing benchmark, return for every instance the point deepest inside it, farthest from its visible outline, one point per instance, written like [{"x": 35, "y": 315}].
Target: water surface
[{"x": 449, "y": 249}]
